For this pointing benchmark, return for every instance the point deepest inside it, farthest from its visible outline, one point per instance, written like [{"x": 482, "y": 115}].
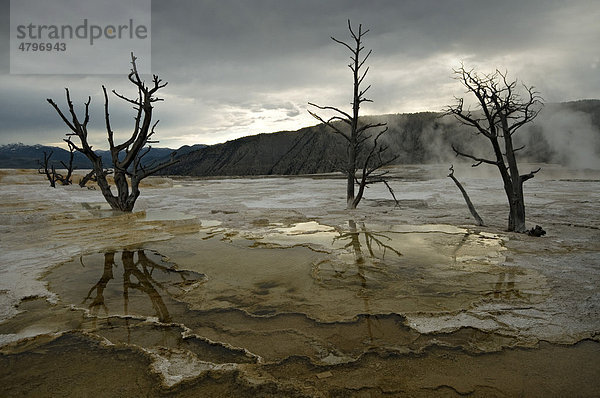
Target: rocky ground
[{"x": 268, "y": 287}]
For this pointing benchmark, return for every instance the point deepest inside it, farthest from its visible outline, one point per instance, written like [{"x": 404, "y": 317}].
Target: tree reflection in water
[
  {"x": 371, "y": 239},
  {"x": 97, "y": 302},
  {"x": 376, "y": 249},
  {"x": 505, "y": 288},
  {"x": 139, "y": 274}
]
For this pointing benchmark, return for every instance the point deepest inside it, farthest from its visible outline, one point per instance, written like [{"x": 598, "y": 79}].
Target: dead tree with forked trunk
[
  {"x": 50, "y": 170},
  {"x": 128, "y": 169},
  {"x": 501, "y": 112},
  {"x": 365, "y": 153},
  {"x": 67, "y": 180}
]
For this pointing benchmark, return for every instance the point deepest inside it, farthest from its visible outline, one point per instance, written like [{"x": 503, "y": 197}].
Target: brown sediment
[
  {"x": 548, "y": 370},
  {"x": 78, "y": 365},
  {"x": 75, "y": 365},
  {"x": 281, "y": 302}
]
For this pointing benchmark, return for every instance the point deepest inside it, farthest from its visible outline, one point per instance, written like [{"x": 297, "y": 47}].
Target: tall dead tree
[
  {"x": 128, "y": 169},
  {"x": 501, "y": 111},
  {"x": 365, "y": 153}
]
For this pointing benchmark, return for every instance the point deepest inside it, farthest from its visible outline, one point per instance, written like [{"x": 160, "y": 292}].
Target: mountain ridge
[
  {"x": 22, "y": 156},
  {"x": 421, "y": 137}
]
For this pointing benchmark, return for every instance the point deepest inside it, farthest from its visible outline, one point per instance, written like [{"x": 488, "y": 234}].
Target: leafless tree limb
[
  {"x": 364, "y": 151},
  {"x": 501, "y": 112},
  {"x": 126, "y": 157},
  {"x": 475, "y": 158},
  {"x": 470, "y": 205}
]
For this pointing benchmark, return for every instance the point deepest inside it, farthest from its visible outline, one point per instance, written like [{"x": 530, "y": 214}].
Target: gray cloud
[{"x": 246, "y": 67}]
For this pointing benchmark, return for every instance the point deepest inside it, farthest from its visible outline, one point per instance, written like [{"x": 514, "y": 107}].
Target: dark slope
[
  {"x": 416, "y": 138},
  {"x": 289, "y": 152},
  {"x": 307, "y": 151}
]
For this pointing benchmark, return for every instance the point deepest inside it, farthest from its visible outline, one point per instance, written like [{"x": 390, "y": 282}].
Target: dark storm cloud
[{"x": 245, "y": 67}]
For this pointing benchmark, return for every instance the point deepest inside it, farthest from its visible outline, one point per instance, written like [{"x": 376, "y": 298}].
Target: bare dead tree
[
  {"x": 126, "y": 157},
  {"x": 501, "y": 112},
  {"x": 50, "y": 170},
  {"x": 67, "y": 180},
  {"x": 365, "y": 153},
  {"x": 466, "y": 197}
]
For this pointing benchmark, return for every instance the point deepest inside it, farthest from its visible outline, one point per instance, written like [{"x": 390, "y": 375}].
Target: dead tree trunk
[
  {"x": 501, "y": 113},
  {"x": 126, "y": 157},
  {"x": 48, "y": 170},
  {"x": 365, "y": 153},
  {"x": 67, "y": 180},
  {"x": 466, "y": 196}
]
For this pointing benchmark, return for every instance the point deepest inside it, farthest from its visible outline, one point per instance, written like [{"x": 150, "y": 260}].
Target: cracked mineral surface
[{"x": 268, "y": 287}]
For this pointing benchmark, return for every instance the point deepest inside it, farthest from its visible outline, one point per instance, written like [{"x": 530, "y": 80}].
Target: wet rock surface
[{"x": 277, "y": 291}]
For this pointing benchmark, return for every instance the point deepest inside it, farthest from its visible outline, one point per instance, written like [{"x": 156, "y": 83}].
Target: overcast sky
[{"x": 237, "y": 68}]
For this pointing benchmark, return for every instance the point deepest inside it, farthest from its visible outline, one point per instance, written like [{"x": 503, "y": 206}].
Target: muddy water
[
  {"x": 276, "y": 291},
  {"x": 300, "y": 309}
]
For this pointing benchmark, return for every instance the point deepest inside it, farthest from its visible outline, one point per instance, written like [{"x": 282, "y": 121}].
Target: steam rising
[
  {"x": 573, "y": 139},
  {"x": 567, "y": 134}
]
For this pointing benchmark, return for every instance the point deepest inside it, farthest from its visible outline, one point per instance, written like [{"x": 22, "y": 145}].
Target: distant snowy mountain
[{"x": 21, "y": 156}]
